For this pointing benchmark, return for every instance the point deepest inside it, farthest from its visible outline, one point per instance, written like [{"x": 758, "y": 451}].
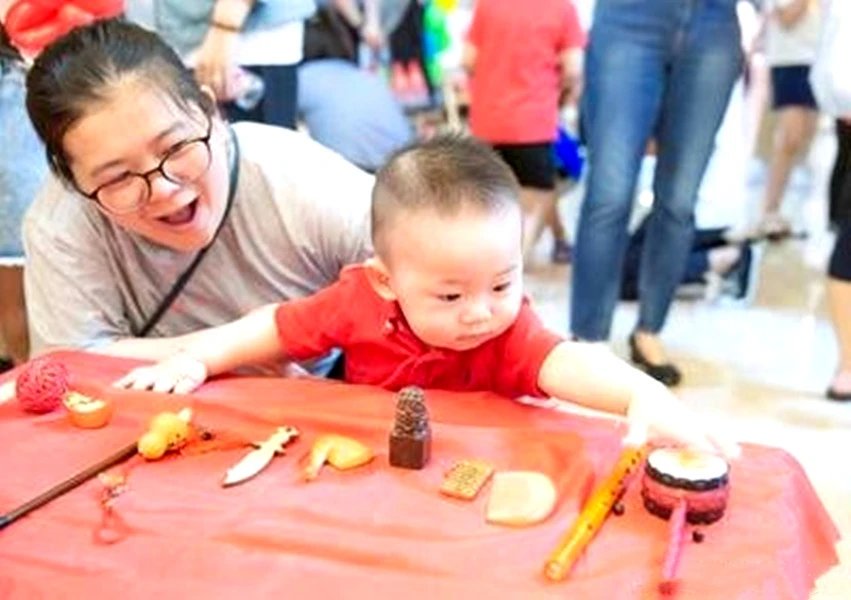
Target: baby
[{"x": 440, "y": 305}]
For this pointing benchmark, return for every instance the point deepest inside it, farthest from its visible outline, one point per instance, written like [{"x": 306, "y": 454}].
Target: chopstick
[{"x": 67, "y": 485}]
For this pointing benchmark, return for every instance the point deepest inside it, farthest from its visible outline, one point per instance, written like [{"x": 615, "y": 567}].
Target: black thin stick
[{"x": 67, "y": 485}]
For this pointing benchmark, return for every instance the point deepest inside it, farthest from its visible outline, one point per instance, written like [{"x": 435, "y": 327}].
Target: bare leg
[
  {"x": 13, "y": 318},
  {"x": 796, "y": 126},
  {"x": 536, "y": 207},
  {"x": 561, "y": 253},
  {"x": 839, "y": 301},
  {"x": 757, "y": 95},
  {"x": 553, "y": 221}
]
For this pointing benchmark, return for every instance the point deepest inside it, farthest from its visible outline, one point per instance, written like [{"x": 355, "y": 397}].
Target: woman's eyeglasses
[{"x": 184, "y": 163}]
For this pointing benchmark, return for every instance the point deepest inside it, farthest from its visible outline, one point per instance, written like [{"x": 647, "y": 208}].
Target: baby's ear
[{"x": 379, "y": 278}]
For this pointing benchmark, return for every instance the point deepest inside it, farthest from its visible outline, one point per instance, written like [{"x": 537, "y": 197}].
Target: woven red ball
[{"x": 41, "y": 385}]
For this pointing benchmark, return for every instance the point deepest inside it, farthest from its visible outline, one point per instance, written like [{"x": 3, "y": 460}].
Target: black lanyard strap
[{"x": 181, "y": 282}]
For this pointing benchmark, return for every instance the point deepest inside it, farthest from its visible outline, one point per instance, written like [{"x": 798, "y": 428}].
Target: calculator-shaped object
[{"x": 465, "y": 478}]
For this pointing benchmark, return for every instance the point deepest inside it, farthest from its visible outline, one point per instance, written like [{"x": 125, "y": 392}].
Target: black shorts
[
  {"x": 840, "y": 260},
  {"x": 790, "y": 86},
  {"x": 534, "y": 165}
]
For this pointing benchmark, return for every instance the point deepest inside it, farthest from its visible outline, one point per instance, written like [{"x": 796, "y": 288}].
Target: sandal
[
  {"x": 837, "y": 396},
  {"x": 775, "y": 227},
  {"x": 840, "y": 395},
  {"x": 737, "y": 281}
]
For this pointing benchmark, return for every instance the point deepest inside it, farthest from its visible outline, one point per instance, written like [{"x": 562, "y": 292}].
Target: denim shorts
[{"x": 22, "y": 163}]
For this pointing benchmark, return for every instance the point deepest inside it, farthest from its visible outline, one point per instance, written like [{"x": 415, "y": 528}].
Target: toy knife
[{"x": 257, "y": 460}]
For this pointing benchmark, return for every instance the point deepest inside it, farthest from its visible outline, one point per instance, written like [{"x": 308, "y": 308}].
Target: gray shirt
[{"x": 300, "y": 214}]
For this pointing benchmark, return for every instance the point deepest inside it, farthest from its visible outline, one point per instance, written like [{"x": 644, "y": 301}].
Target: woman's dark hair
[
  {"x": 81, "y": 68},
  {"x": 7, "y": 50}
]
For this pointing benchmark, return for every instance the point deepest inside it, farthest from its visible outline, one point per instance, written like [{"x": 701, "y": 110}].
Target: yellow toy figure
[
  {"x": 167, "y": 431},
  {"x": 340, "y": 452}
]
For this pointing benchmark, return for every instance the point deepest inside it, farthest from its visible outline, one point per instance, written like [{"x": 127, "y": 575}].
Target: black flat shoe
[
  {"x": 738, "y": 279},
  {"x": 667, "y": 373},
  {"x": 838, "y": 396}
]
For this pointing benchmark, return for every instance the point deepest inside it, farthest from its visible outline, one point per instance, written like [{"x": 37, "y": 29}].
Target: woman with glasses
[{"x": 163, "y": 219}]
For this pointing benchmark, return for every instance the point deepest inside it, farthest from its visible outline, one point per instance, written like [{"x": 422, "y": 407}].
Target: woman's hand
[
  {"x": 180, "y": 374},
  {"x": 657, "y": 414},
  {"x": 214, "y": 60}
]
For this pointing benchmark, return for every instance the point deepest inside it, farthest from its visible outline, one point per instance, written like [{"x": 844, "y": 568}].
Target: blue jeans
[{"x": 660, "y": 69}]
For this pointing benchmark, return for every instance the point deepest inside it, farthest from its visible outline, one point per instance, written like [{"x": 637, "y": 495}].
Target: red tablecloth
[{"x": 376, "y": 532}]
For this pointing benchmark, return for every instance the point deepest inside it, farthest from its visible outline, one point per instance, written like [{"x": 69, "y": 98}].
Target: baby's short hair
[{"x": 443, "y": 174}]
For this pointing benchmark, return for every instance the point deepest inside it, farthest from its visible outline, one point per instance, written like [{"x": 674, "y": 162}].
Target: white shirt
[
  {"x": 797, "y": 44},
  {"x": 282, "y": 45}
]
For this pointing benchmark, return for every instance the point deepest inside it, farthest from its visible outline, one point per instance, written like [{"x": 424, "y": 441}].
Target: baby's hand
[
  {"x": 656, "y": 413},
  {"x": 179, "y": 374}
]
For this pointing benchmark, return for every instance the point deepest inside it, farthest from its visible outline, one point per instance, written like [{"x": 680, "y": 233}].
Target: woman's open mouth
[{"x": 182, "y": 216}]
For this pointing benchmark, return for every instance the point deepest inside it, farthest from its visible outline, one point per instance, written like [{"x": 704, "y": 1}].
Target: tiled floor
[{"x": 759, "y": 366}]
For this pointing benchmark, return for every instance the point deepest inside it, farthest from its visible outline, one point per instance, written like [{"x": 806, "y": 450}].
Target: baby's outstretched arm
[
  {"x": 591, "y": 375},
  {"x": 251, "y": 340}
]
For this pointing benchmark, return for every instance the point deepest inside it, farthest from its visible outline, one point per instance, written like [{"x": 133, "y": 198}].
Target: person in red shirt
[
  {"x": 440, "y": 305},
  {"x": 524, "y": 59}
]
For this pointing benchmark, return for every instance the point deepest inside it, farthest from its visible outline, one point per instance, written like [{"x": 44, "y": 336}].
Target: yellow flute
[{"x": 593, "y": 514}]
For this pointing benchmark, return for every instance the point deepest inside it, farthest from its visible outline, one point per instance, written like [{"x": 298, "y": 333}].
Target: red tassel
[
  {"x": 668, "y": 585},
  {"x": 112, "y": 528}
]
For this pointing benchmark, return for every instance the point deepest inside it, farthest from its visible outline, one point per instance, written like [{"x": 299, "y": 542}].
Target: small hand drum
[{"x": 685, "y": 487}]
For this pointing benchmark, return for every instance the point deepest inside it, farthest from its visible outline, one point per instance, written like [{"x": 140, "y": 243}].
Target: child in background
[
  {"x": 524, "y": 58},
  {"x": 792, "y": 36},
  {"x": 440, "y": 305}
]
